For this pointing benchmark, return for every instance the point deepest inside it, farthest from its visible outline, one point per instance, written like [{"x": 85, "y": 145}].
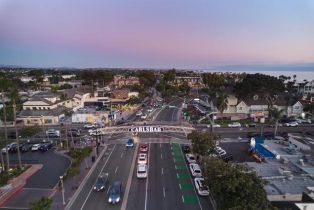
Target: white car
[
  {"x": 150, "y": 110},
  {"x": 142, "y": 158},
  {"x": 138, "y": 114},
  {"x": 215, "y": 125},
  {"x": 201, "y": 188},
  {"x": 234, "y": 125},
  {"x": 35, "y": 147},
  {"x": 190, "y": 158},
  {"x": 292, "y": 124},
  {"x": 95, "y": 133},
  {"x": 144, "y": 116},
  {"x": 89, "y": 126},
  {"x": 195, "y": 170},
  {"x": 4, "y": 150},
  {"x": 141, "y": 171},
  {"x": 220, "y": 151}
]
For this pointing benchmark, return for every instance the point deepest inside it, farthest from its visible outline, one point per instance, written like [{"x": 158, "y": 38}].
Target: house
[
  {"x": 122, "y": 81},
  {"x": 123, "y": 94},
  {"x": 258, "y": 107},
  {"x": 307, "y": 88},
  {"x": 192, "y": 81},
  {"x": 42, "y": 101},
  {"x": 39, "y": 117}
]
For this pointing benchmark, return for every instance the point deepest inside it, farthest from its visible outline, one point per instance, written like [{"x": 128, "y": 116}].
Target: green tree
[
  {"x": 133, "y": 100},
  {"x": 185, "y": 88},
  {"x": 44, "y": 203},
  {"x": 259, "y": 84},
  {"x": 222, "y": 103},
  {"x": 170, "y": 75},
  {"x": 234, "y": 186},
  {"x": 202, "y": 142},
  {"x": 38, "y": 76},
  {"x": 275, "y": 114}
]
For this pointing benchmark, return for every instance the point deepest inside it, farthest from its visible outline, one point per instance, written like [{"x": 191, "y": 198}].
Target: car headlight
[
  {"x": 94, "y": 188},
  {"x": 109, "y": 200},
  {"x": 102, "y": 187},
  {"x": 118, "y": 199}
]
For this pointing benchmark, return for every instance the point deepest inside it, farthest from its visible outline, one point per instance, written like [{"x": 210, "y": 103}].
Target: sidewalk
[
  {"x": 71, "y": 184},
  {"x": 16, "y": 184}
]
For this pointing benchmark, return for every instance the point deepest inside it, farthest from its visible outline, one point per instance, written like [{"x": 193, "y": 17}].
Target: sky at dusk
[{"x": 155, "y": 33}]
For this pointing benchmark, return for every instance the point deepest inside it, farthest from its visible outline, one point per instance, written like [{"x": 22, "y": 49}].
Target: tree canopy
[
  {"x": 260, "y": 84},
  {"x": 170, "y": 75},
  {"x": 234, "y": 187},
  {"x": 202, "y": 142}
]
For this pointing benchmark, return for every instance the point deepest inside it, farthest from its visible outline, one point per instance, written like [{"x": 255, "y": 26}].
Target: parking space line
[
  {"x": 121, "y": 155},
  {"x": 108, "y": 190},
  {"x": 116, "y": 170}
]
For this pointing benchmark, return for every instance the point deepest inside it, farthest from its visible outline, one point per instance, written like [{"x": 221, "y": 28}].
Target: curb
[
  {"x": 17, "y": 190},
  {"x": 73, "y": 198}
]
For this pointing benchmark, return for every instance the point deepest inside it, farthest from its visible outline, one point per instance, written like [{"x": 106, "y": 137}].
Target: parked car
[
  {"x": 138, "y": 114},
  {"x": 144, "y": 148},
  {"x": 252, "y": 125},
  {"x": 53, "y": 133},
  {"x": 142, "y": 158},
  {"x": 8, "y": 147},
  {"x": 141, "y": 171},
  {"x": 101, "y": 182},
  {"x": 195, "y": 170},
  {"x": 130, "y": 143},
  {"x": 304, "y": 121},
  {"x": 190, "y": 158},
  {"x": 215, "y": 125},
  {"x": 35, "y": 147},
  {"x": 89, "y": 126},
  {"x": 292, "y": 124},
  {"x": 45, "y": 147},
  {"x": 227, "y": 158},
  {"x": 144, "y": 116},
  {"x": 186, "y": 148},
  {"x": 26, "y": 147},
  {"x": 234, "y": 125},
  {"x": 201, "y": 187},
  {"x": 150, "y": 110},
  {"x": 115, "y": 192}
]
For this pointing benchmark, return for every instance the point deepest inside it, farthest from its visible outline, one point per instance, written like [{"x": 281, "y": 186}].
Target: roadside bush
[
  {"x": 77, "y": 155},
  {"x": 29, "y": 131},
  {"x": 44, "y": 203}
]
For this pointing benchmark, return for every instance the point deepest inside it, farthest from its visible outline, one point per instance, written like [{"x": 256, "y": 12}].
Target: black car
[
  {"x": 73, "y": 134},
  {"x": 186, "y": 148},
  {"x": 25, "y": 147},
  {"x": 45, "y": 147},
  {"x": 101, "y": 182},
  {"x": 13, "y": 148}
]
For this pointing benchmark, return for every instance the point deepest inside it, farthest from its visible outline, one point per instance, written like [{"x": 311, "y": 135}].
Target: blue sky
[{"x": 155, "y": 34}]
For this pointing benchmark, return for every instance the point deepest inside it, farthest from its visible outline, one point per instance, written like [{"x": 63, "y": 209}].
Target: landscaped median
[
  {"x": 77, "y": 156},
  {"x": 16, "y": 184},
  {"x": 183, "y": 175}
]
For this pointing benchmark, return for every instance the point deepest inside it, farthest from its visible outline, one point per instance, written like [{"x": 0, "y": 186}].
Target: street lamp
[{"x": 62, "y": 190}]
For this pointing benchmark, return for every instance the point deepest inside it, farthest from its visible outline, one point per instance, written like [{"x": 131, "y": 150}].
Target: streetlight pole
[{"x": 62, "y": 190}]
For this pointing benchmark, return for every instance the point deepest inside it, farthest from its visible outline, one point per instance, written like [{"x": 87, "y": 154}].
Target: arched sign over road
[{"x": 146, "y": 129}]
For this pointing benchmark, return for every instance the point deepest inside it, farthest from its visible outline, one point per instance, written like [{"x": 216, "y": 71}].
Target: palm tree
[
  {"x": 14, "y": 97},
  {"x": 4, "y": 84},
  {"x": 275, "y": 114},
  {"x": 222, "y": 103}
]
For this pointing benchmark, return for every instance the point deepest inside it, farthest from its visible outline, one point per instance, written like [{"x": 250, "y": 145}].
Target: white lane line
[
  {"x": 121, "y": 155},
  {"x": 147, "y": 180},
  {"x": 160, "y": 145},
  {"x": 115, "y": 171},
  {"x": 162, "y": 171},
  {"x": 97, "y": 176},
  {"x": 108, "y": 190},
  {"x": 160, "y": 155},
  {"x": 164, "y": 191}
]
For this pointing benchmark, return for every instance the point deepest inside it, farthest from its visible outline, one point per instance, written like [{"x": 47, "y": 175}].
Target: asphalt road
[
  {"x": 169, "y": 114},
  {"x": 163, "y": 189},
  {"x": 43, "y": 181},
  {"x": 117, "y": 162}
]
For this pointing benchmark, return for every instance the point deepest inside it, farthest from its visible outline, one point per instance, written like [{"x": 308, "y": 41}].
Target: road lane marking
[
  {"x": 97, "y": 176},
  {"x": 128, "y": 184},
  {"x": 116, "y": 170},
  {"x": 159, "y": 145},
  {"x": 164, "y": 191},
  {"x": 121, "y": 155},
  {"x": 162, "y": 171},
  {"x": 147, "y": 181},
  {"x": 160, "y": 155},
  {"x": 108, "y": 190}
]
